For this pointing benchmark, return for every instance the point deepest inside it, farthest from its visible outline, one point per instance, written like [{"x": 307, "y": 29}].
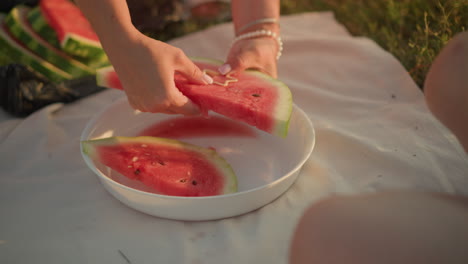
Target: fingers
[
  {"x": 256, "y": 54},
  {"x": 238, "y": 61},
  {"x": 186, "y": 67},
  {"x": 173, "y": 102},
  {"x": 181, "y": 104}
]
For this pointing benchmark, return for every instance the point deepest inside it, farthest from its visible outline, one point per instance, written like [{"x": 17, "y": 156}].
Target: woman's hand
[
  {"x": 146, "y": 68},
  {"x": 253, "y": 53}
]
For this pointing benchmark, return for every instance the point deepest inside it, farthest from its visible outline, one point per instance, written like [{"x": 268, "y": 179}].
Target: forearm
[
  {"x": 110, "y": 20},
  {"x": 247, "y": 11}
]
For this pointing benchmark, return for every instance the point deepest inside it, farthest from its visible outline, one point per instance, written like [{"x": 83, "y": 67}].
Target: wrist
[
  {"x": 270, "y": 27},
  {"x": 262, "y": 33},
  {"x": 120, "y": 32},
  {"x": 121, "y": 37},
  {"x": 269, "y": 23}
]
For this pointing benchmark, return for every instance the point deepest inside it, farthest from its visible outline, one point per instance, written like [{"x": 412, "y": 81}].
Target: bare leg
[
  {"x": 401, "y": 227},
  {"x": 446, "y": 87}
]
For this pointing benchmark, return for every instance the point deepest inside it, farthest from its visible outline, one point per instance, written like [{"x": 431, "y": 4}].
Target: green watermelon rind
[
  {"x": 89, "y": 148},
  {"x": 284, "y": 107},
  {"x": 89, "y": 52},
  {"x": 101, "y": 75},
  {"x": 41, "y": 27},
  {"x": 25, "y": 56},
  {"x": 206, "y": 60},
  {"x": 16, "y": 24}
]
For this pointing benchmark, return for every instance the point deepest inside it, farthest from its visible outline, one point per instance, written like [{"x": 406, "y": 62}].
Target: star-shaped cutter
[{"x": 229, "y": 77}]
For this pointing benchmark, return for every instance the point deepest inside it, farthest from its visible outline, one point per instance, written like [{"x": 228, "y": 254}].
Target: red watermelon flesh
[
  {"x": 244, "y": 102},
  {"x": 66, "y": 18},
  {"x": 198, "y": 126},
  {"x": 254, "y": 98},
  {"x": 170, "y": 167}
]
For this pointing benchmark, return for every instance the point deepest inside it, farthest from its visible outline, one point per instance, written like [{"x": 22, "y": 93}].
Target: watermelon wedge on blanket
[
  {"x": 16, "y": 51},
  {"x": 63, "y": 25},
  {"x": 251, "y": 97},
  {"x": 169, "y": 166},
  {"x": 20, "y": 28}
]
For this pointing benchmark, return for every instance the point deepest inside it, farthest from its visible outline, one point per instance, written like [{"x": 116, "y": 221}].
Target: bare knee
[
  {"x": 446, "y": 87},
  {"x": 383, "y": 228}
]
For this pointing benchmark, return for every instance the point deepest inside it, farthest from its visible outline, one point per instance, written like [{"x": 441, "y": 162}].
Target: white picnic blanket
[{"x": 373, "y": 130}]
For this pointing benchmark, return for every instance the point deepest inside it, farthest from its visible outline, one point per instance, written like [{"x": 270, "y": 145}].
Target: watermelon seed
[
  {"x": 144, "y": 145},
  {"x": 137, "y": 171},
  {"x": 161, "y": 162},
  {"x": 130, "y": 166},
  {"x": 255, "y": 95},
  {"x": 194, "y": 182},
  {"x": 183, "y": 180},
  {"x": 147, "y": 154},
  {"x": 135, "y": 159}
]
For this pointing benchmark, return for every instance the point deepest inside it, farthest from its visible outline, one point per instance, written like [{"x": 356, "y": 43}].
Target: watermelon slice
[
  {"x": 19, "y": 27},
  {"x": 63, "y": 25},
  {"x": 19, "y": 53},
  {"x": 252, "y": 97},
  {"x": 169, "y": 166}
]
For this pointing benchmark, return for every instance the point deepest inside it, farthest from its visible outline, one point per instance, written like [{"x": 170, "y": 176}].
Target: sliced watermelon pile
[
  {"x": 251, "y": 97},
  {"x": 17, "y": 51},
  {"x": 63, "y": 25},
  {"x": 54, "y": 39},
  {"x": 168, "y": 166},
  {"x": 19, "y": 27}
]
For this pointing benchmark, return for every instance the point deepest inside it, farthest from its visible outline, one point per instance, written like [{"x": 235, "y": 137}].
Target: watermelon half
[
  {"x": 168, "y": 166},
  {"x": 20, "y": 28},
  {"x": 21, "y": 54},
  {"x": 251, "y": 96},
  {"x": 63, "y": 25}
]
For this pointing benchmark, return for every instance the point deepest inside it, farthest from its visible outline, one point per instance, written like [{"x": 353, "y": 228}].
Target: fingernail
[
  {"x": 224, "y": 69},
  {"x": 207, "y": 79}
]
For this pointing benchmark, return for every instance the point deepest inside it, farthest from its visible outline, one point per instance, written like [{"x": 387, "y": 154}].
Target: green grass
[{"x": 414, "y": 31}]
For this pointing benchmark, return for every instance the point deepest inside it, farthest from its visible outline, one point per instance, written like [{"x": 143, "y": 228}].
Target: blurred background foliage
[{"x": 414, "y": 31}]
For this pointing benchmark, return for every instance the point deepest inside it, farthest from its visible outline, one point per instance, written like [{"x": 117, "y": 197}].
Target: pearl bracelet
[{"x": 260, "y": 33}]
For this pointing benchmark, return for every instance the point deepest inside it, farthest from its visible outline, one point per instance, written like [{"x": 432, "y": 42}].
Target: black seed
[
  {"x": 137, "y": 171},
  {"x": 161, "y": 162},
  {"x": 255, "y": 95},
  {"x": 183, "y": 180},
  {"x": 194, "y": 182}
]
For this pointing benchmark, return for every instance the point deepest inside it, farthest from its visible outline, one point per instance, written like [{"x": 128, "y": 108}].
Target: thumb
[
  {"x": 237, "y": 63},
  {"x": 191, "y": 71},
  {"x": 248, "y": 61},
  {"x": 181, "y": 104}
]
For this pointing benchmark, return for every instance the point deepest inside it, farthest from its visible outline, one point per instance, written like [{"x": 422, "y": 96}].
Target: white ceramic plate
[{"x": 265, "y": 165}]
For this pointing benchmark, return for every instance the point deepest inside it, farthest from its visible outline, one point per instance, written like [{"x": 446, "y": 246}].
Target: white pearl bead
[{"x": 260, "y": 33}]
